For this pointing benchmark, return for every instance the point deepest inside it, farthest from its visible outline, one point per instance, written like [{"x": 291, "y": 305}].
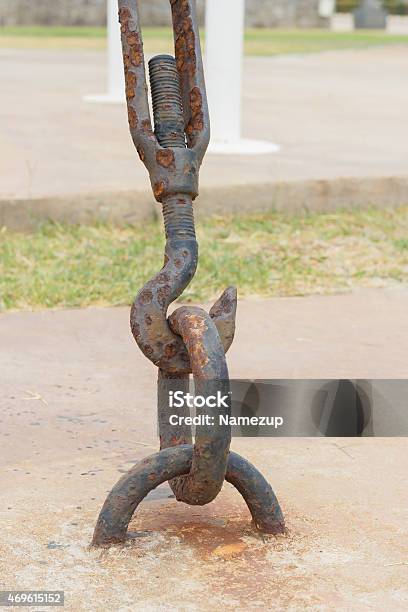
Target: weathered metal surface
[
  {"x": 212, "y": 440},
  {"x": 174, "y": 177},
  {"x": 169, "y": 463},
  {"x": 167, "y": 106},
  {"x": 148, "y": 317},
  {"x": 191, "y": 340},
  {"x": 133, "y": 487},
  {"x": 185, "y": 162}
]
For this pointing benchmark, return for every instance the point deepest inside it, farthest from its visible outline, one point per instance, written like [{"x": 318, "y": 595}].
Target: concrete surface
[
  {"x": 336, "y": 115},
  {"x": 134, "y": 206},
  {"x": 78, "y": 409}
]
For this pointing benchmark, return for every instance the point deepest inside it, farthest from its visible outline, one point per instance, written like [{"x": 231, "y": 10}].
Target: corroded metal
[
  {"x": 190, "y": 340},
  {"x": 173, "y": 462},
  {"x": 212, "y": 441}
]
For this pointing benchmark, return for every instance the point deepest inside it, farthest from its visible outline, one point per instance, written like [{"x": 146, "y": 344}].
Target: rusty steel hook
[
  {"x": 172, "y": 154},
  {"x": 190, "y": 341}
]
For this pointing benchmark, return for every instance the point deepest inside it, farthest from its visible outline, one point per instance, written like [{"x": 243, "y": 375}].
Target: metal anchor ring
[
  {"x": 173, "y": 462},
  {"x": 190, "y": 340}
]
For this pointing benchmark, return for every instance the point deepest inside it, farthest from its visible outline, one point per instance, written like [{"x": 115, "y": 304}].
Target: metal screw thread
[
  {"x": 178, "y": 217},
  {"x": 167, "y": 103}
]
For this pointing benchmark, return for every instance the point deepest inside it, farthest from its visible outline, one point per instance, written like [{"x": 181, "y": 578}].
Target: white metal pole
[
  {"x": 225, "y": 27},
  {"x": 327, "y": 8},
  {"x": 223, "y": 58},
  {"x": 116, "y": 79}
]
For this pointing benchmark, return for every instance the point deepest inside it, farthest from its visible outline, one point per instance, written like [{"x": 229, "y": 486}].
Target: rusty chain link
[{"x": 190, "y": 340}]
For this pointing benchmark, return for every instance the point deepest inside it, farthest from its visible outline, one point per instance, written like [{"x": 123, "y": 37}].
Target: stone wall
[
  {"x": 52, "y": 12},
  {"x": 259, "y": 13}
]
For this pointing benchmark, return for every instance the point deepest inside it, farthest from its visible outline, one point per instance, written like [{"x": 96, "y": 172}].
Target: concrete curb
[{"x": 131, "y": 207}]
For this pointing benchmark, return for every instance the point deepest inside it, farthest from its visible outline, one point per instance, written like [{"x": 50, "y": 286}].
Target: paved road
[
  {"x": 335, "y": 114},
  {"x": 78, "y": 409}
]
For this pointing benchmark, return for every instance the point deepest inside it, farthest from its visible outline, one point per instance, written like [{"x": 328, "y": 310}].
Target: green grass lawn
[
  {"x": 257, "y": 41},
  {"x": 263, "y": 255}
]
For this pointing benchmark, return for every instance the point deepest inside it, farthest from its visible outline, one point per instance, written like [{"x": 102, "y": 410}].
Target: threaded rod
[
  {"x": 167, "y": 103},
  {"x": 178, "y": 217}
]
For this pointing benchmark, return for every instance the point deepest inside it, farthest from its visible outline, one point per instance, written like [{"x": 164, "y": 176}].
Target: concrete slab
[
  {"x": 335, "y": 114},
  {"x": 78, "y": 409},
  {"x": 133, "y": 207}
]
